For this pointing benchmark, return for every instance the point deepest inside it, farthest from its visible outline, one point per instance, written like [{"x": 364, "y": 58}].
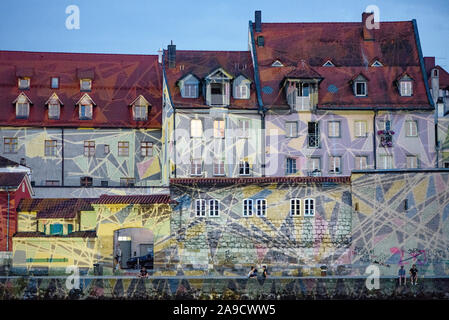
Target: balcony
[
  {"x": 301, "y": 103},
  {"x": 217, "y": 99},
  {"x": 314, "y": 173}
]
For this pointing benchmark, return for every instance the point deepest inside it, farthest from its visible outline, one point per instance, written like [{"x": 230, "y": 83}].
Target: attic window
[
  {"x": 85, "y": 84},
  {"x": 24, "y": 83},
  {"x": 190, "y": 90},
  {"x": 406, "y": 88},
  {"x": 328, "y": 64},
  {"x": 360, "y": 88},
  {"x": 54, "y": 82},
  {"x": 85, "y": 107},
  {"x": 377, "y": 64},
  {"x": 22, "y": 104},
  {"x": 260, "y": 41},
  {"x": 54, "y": 107},
  {"x": 140, "y": 112},
  {"x": 277, "y": 63}
]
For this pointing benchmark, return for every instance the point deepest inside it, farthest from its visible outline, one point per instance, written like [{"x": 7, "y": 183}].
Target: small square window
[
  {"x": 54, "y": 83},
  {"x": 89, "y": 148},
  {"x": 24, "y": 83},
  {"x": 190, "y": 91},
  {"x": 104, "y": 183},
  {"x": 10, "y": 145},
  {"x": 361, "y": 162},
  {"x": 412, "y": 162},
  {"x": 127, "y": 182},
  {"x": 85, "y": 85},
  {"x": 123, "y": 148},
  {"x": 86, "y": 181},
  {"x": 50, "y": 148}
]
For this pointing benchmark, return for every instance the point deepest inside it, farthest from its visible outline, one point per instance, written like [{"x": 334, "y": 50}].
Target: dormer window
[
  {"x": 277, "y": 63},
  {"x": 22, "y": 103},
  {"x": 140, "y": 109},
  {"x": 241, "y": 87},
  {"x": 54, "y": 107},
  {"x": 376, "y": 63},
  {"x": 189, "y": 86},
  {"x": 190, "y": 90},
  {"x": 85, "y": 84},
  {"x": 85, "y": 105},
  {"x": 218, "y": 88},
  {"x": 24, "y": 83},
  {"x": 405, "y": 85},
  {"x": 328, "y": 63},
  {"x": 360, "y": 86}
]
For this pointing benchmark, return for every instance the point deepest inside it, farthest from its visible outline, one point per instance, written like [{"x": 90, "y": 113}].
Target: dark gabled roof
[
  {"x": 5, "y": 162},
  {"x": 394, "y": 46},
  {"x": 136, "y": 199},
  {"x": 303, "y": 71},
  {"x": 76, "y": 234},
  {"x": 52, "y": 208},
  {"x": 11, "y": 179},
  {"x": 257, "y": 180},
  {"x": 117, "y": 80},
  {"x": 201, "y": 64}
]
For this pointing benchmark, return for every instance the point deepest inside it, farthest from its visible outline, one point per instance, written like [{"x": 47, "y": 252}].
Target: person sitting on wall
[
  {"x": 402, "y": 277},
  {"x": 252, "y": 273},
  {"x": 264, "y": 272},
  {"x": 143, "y": 273},
  {"x": 414, "y": 275}
]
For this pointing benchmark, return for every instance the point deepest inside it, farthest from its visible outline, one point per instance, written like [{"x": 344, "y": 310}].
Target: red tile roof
[
  {"x": 11, "y": 179},
  {"x": 258, "y": 180},
  {"x": 51, "y": 208},
  {"x": 76, "y": 234},
  {"x": 202, "y": 63},
  {"x": 341, "y": 42},
  {"x": 118, "y": 79},
  {"x": 136, "y": 199}
]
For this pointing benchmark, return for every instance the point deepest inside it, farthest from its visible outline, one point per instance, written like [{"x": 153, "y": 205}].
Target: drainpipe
[
  {"x": 7, "y": 222},
  {"x": 62, "y": 157},
  {"x": 374, "y": 139},
  {"x": 262, "y": 116}
]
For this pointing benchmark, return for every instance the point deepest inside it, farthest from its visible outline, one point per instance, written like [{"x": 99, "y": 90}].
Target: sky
[{"x": 144, "y": 26}]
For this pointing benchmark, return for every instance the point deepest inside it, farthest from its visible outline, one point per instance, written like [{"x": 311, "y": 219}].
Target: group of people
[
  {"x": 253, "y": 272},
  {"x": 413, "y": 275}
]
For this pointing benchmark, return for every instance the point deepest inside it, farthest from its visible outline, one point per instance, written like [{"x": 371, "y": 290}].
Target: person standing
[
  {"x": 402, "y": 276},
  {"x": 118, "y": 257},
  {"x": 264, "y": 272},
  {"x": 414, "y": 275},
  {"x": 252, "y": 273}
]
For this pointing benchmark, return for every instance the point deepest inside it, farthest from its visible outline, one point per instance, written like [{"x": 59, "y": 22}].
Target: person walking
[
  {"x": 402, "y": 276},
  {"x": 414, "y": 275}
]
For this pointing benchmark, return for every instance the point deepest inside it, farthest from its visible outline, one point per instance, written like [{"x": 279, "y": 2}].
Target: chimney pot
[{"x": 159, "y": 56}]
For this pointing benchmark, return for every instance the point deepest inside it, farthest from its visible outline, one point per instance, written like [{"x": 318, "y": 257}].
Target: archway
[{"x": 136, "y": 246}]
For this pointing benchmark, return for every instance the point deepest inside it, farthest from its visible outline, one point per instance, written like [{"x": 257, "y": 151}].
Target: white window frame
[
  {"x": 247, "y": 207},
  {"x": 365, "y": 86},
  {"x": 358, "y": 126},
  {"x": 146, "y": 149},
  {"x": 196, "y": 128},
  {"x": 291, "y": 129},
  {"x": 409, "y": 128},
  {"x": 140, "y": 112},
  {"x": 88, "y": 111},
  {"x": 22, "y": 110},
  {"x": 241, "y": 91},
  {"x": 311, "y": 160},
  {"x": 21, "y": 85},
  {"x": 54, "y": 111},
  {"x": 309, "y": 207},
  {"x": 200, "y": 207},
  {"x": 190, "y": 90},
  {"x": 333, "y": 130},
  {"x": 406, "y": 88},
  {"x": 295, "y": 207},
  {"x": 333, "y": 164},
  {"x": 196, "y": 167},
  {"x": 123, "y": 146},
  {"x": 219, "y": 167},
  {"x": 416, "y": 161},
  {"x": 89, "y": 148},
  {"x": 214, "y": 208},
  {"x": 261, "y": 207},
  {"x": 358, "y": 160},
  {"x": 295, "y": 169},
  {"x": 385, "y": 159},
  {"x": 12, "y": 143},
  {"x": 84, "y": 87}
]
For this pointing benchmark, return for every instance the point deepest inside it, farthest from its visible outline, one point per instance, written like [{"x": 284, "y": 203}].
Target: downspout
[
  {"x": 374, "y": 139},
  {"x": 62, "y": 157},
  {"x": 7, "y": 221}
]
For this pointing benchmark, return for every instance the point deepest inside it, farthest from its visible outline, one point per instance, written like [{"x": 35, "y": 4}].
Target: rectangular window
[
  {"x": 85, "y": 84},
  {"x": 53, "y": 111},
  {"x": 86, "y": 181},
  {"x": 52, "y": 182},
  {"x": 219, "y": 128},
  {"x": 295, "y": 207},
  {"x": 313, "y": 135},
  {"x": 261, "y": 207},
  {"x": 361, "y": 162},
  {"x": 196, "y": 128},
  {"x": 104, "y": 183},
  {"x": 384, "y": 125},
  {"x": 244, "y": 128},
  {"x": 219, "y": 167},
  {"x": 190, "y": 90},
  {"x": 196, "y": 167},
  {"x": 302, "y": 89},
  {"x": 106, "y": 149},
  {"x": 412, "y": 162},
  {"x": 314, "y": 163},
  {"x": 243, "y": 168},
  {"x": 123, "y": 148},
  {"x": 386, "y": 162},
  {"x": 22, "y": 110},
  {"x": 140, "y": 113},
  {"x": 446, "y": 164},
  {"x": 89, "y": 148},
  {"x": 309, "y": 207},
  {"x": 411, "y": 128},
  {"x": 406, "y": 88},
  {"x": 56, "y": 228},
  {"x": 214, "y": 208},
  {"x": 50, "y": 148},
  {"x": 200, "y": 208},
  {"x": 10, "y": 145},
  {"x": 334, "y": 164},
  {"x": 127, "y": 182},
  {"x": 241, "y": 92},
  {"x": 146, "y": 149},
  {"x": 291, "y": 166},
  {"x": 360, "y": 128},
  {"x": 291, "y": 129},
  {"x": 85, "y": 112},
  {"x": 247, "y": 207},
  {"x": 24, "y": 83},
  {"x": 333, "y": 129},
  {"x": 54, "y": 82},
  {"x": 360, "y": 88}
]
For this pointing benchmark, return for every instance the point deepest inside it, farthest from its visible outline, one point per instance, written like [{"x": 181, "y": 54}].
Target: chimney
[
  {"x": 258, "y": 20},
  {"x": 368, "y": 26},
  {"x": 429, "y": 63},
  {"x": 159, "y": 56},
  {"x": 172, "y": 55}
]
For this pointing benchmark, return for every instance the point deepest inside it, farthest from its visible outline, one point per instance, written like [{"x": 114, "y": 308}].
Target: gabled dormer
[
  {"x": 405, "y": 85},
  {"x": 376, "y": 63},
  {"x": 22, "y": 103},
  {"x": 328, "y": 63},
  {"x": 301, "y": 87},
  {"x": 217, "y": 87},
  {"x": 241, "y": 87},
  {"x": 277, "y": 63},
  {"x": 189, "y": 86},
  {"x": 360, "y": 85},
  {"x": 140, "y": 107},
  {"x": 85, "y": 105},
  {"x": 54, "y": 106}
]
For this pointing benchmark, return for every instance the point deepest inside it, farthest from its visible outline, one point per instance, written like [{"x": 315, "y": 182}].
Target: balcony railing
[
  {"x": 314, "y": 173},
  {"x": 217, "y": 99},
  {"x": 301, "y": 103},
  {"x": 314, "y": 140}
]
